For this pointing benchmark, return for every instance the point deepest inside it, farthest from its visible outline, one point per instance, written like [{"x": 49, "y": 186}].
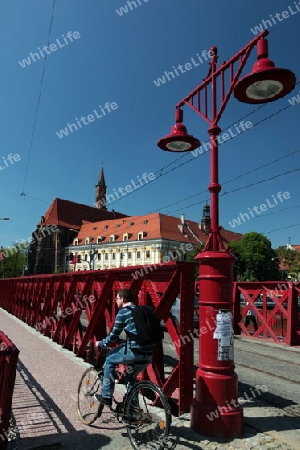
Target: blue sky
[{"x": 115, "y": 57}]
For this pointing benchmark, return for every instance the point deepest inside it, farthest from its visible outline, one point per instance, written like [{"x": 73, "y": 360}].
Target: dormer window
[
  {"x": 141, "y": 235},
  {"x": 75, "y": 242},
  {"x": 113, "y": 237},
  {"x": 87, "y": 241},
  {"x": 105, "y": 227},
  {"x": 126, "y": 236},
  {"x": 99, "y": 239}
]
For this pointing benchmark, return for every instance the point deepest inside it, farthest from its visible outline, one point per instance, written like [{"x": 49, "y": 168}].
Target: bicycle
[{"x": 144, "y": 409}]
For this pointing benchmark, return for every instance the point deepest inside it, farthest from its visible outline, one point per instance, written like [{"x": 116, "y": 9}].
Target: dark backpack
[{"x": 147, "y": 324}]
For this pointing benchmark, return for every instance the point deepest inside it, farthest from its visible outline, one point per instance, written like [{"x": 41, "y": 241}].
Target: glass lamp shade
[
  {"x": 178, "y": 140},
  {"x": 265, "y": 83}
]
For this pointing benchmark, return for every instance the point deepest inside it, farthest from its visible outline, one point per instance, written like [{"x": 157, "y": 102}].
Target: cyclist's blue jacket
[{"x": 124, "y": 321}]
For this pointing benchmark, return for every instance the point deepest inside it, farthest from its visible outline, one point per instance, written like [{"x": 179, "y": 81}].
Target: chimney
[{"x": 181, "y": 225}]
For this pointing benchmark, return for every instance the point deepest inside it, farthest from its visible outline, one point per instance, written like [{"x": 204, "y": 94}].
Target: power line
[
  {"x": 241, "y": 188},
  {"x": 38, "y": 102},
  {"x": 283, "y": 228},
  {"x": 160, "y": 172},
  {"x": 234, "y": 179}
]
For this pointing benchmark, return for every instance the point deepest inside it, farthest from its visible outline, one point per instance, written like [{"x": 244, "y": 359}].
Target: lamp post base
[
  {"x": 216, "y": 421},
  {"x": 215, "y": 410}
]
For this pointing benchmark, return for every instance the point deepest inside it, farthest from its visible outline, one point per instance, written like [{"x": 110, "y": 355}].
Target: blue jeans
[{"x": 122, "y": 355}]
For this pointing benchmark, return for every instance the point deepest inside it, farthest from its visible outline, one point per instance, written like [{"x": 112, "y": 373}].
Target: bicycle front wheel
[
  {"x": 147, "y": 416},
  {"x": 88, "y": 407}
]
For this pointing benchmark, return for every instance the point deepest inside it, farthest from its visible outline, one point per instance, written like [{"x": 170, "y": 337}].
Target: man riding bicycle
[{"x": 127, "y": 353}]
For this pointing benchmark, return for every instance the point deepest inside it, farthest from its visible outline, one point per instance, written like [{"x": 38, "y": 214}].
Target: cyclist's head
[{"x": 125, "y": 294}]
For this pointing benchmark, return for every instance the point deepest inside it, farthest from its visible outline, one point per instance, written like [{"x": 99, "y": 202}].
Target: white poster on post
[{"x": 224, "y": 334}]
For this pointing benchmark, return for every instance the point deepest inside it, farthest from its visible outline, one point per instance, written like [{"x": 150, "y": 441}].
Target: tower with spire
[
  {"x": 101, "y": 192},
  {"x": 205, "y": 221}
]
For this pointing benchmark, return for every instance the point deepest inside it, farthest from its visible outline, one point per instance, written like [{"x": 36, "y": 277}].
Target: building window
[
  {"x": 147, "y": 253},
  {"x": 138, "y": 255},
  {"x": 76, "y": 242},
  {"x": 129, "y": 255},
  {"x": 113, "y": 256},
  {"x": 125, "y": 237},
  {"x": 99, "y": 256},
  {"x": 106, "y": 257},
  {"x": 99, "y": 240},
  {"x": 87, "y": 241},
  {"x": 140, "y": 236},
  {"x": 85, "y": 257}
]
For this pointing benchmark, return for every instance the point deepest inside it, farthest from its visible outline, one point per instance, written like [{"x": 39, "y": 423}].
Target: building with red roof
[
  {"x": 73, "y": 236},
  {"x": 138, "y": 240}
]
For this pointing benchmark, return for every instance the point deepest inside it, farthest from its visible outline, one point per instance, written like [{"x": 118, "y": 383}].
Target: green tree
[
  {"x": 12, "y": 265},
  {"x": 256, "y": 261},
  {"x": 290, "y": 261}
]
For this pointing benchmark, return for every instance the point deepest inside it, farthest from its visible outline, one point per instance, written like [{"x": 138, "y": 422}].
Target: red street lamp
[{"x": 215, "y": 410}]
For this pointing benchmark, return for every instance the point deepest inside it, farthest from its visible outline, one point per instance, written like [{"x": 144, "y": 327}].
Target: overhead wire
[
  {"x": 38, "y": 102},
  {"x": 162, "y": 171},
  {"x": 226, "y": 182},
  {"x": 159, "y": 173}
]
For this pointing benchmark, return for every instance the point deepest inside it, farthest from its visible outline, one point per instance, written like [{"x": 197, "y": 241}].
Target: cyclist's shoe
[{"x": 103, "y": 400}]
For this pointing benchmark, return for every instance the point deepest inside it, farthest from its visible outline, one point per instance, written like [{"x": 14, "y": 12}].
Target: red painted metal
[
  {"x": 218, "y": 383},
  {"x": 210, "y": 386},
  {"x": 77, "y": 308},
  {"x": 277, "y": 310},
  {"x": 184, "y": 142},
  {"x": 8, "y": 367},
  {"x": 264, "y": 69}
]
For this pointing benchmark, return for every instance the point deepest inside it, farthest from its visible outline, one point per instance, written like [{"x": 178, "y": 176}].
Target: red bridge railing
[
  {"x": 8, "y": 366},
  {"x": 277, "y": 310},
  {"x": 77, "y": 308}
]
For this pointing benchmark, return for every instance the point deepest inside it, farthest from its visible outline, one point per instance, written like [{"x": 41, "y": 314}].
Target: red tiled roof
[
  {"x": 69, "y": 214},
  {"x": 154, "y": 226}
]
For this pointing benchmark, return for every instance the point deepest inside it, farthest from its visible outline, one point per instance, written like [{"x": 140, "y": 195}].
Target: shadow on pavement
[{"x": 38, "y": 422}]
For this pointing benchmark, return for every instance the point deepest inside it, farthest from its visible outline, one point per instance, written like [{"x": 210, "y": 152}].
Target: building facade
[
  {"x": 137, "y": 241},
  {"x": 73, "y": 236}
]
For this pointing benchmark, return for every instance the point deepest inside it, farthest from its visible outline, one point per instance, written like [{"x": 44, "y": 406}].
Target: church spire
[{"x": 101, "y": 192}]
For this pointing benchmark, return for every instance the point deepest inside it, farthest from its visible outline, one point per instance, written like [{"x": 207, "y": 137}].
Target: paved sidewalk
[{"x": 44, "y": 407}]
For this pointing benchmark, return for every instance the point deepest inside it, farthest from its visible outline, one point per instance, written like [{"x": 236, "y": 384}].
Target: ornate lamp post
[{"x": 215, "y": 410}]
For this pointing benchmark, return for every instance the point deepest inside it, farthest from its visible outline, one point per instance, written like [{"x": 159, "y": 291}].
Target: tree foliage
[
  {"x": 290, "y": 261},
  {"x": 13, "y": 264},
  {"x": 257, "y": 261}
]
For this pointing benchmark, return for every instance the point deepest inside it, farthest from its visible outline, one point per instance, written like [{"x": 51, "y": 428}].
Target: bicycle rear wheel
[
  {"x": 147, "y": 416},
  {"x": 88, "y": 407}
]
